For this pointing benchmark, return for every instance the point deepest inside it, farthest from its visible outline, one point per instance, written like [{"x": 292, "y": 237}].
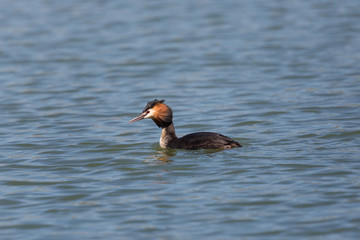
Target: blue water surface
[{"x": 280, "y": 77}]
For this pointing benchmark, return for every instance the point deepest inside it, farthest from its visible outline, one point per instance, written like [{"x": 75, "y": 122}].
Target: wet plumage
[{"x": 206, "y": 140}]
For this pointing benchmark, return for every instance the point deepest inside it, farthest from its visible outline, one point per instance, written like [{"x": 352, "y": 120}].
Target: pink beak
[{"x": 138, "y": 118}]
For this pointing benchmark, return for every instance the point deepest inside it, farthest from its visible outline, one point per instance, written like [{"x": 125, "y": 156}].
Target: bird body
[{"x": 162, "y": 115}]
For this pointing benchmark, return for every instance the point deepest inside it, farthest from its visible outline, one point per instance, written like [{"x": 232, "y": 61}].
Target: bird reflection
[{"x": 163, "y": 156}]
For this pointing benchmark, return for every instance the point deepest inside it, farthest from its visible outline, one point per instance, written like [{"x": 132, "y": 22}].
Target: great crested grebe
[{"x": 161, "y": 114}]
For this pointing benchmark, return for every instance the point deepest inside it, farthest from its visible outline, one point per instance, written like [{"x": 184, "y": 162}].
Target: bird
[{"x": 162, "y": 115}]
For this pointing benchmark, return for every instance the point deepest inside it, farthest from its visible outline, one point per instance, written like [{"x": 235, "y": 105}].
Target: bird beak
[{"x": 138, "y": 118}]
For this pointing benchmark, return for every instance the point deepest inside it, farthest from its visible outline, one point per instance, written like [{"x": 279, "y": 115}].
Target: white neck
[{"x": 168, "y": 137}]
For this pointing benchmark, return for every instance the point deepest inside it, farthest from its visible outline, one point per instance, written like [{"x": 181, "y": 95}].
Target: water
[{"x": 282, "y": 78}]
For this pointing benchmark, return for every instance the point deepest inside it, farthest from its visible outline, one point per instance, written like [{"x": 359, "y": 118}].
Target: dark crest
[{"x": 151, "y": 104}]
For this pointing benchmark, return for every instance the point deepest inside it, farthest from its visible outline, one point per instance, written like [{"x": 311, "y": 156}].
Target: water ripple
[{"x": 280, "y": 78}]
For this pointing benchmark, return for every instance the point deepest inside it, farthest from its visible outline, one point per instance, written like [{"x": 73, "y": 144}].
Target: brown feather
[{"x": 162, "y": 115}]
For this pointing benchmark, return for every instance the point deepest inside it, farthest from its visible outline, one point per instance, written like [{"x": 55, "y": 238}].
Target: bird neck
[{"x": 168, "y": 137}]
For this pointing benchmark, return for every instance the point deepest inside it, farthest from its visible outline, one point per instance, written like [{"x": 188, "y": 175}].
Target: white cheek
[{"x": 150, "y": 114}]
